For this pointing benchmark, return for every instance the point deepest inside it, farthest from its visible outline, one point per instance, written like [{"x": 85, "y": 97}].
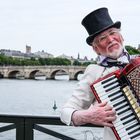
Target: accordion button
[
  {"x": 137, "y": 110},
  {"x": 132, "y": 102},
  {"x": 138, "y": 115},
  {"x": 135, "y": 106},
  {"x": 130, "y": 98},
  {"x": 125, "y": 89}
]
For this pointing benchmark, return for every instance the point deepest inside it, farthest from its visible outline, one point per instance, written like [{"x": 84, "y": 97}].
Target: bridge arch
[
  {"x": 33, "y": 73},
  {"x": 1, "y": 75},
  {"x": 54, "y": 73},
  {"x": 75, "y": 77},
  {"x": 14, "y": 74}
]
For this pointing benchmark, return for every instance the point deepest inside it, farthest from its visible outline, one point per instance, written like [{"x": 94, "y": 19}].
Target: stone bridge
[{"x": 29, "y": 72}]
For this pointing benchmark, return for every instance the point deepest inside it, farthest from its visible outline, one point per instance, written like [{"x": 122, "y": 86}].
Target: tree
[
  {"x": 131, "y": 50},
  {"x": 76, "y": 63}
]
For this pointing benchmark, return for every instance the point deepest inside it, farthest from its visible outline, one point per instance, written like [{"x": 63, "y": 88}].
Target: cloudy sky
[{"x": 55, "y": 25}]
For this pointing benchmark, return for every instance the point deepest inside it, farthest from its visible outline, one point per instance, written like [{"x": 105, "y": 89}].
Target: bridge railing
[{"x": 25, "y": 126}]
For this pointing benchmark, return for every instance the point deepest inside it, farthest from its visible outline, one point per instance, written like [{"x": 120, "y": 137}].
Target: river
[{"x": 37, "y": 97}]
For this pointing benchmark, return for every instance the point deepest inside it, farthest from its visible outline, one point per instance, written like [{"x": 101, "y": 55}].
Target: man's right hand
[{"x": 99, "y": 114}]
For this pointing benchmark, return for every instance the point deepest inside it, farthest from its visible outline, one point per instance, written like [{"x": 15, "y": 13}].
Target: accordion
[{"x": 121, "y": 89}]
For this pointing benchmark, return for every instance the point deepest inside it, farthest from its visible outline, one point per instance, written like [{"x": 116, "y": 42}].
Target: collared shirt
[{"x": 123, "y": 59}]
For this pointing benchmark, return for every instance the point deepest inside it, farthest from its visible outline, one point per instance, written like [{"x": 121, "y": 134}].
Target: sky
[{"x": 55, "y": 25}]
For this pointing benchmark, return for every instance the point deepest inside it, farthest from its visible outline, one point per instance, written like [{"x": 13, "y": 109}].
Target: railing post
[
  {"x": 20, "y": 130},
  {"x": 29, "y": 134}
]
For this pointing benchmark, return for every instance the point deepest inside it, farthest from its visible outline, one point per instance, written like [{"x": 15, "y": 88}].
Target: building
[
  {"x": 139, "y": 47},
  {"x": 64, "y": 56},
  {"x": 17, "y": 54},
  {"x": 28, "y": 49},
  {"x": 43, "y": 54},
  {"x": 12, "y": 53},
  {"x": 67, "y": 57},
  {"x": 84, "y": 60}
]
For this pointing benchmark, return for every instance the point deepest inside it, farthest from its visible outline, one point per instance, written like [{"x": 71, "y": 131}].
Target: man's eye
[
  {"x": 113, "y": 32},
  {"x": 102, "y": 38}
]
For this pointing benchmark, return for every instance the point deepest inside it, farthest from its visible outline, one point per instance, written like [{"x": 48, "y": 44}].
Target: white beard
[{"x": 116, "y": 53}]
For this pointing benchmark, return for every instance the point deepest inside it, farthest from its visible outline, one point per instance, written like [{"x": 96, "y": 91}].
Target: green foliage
[
  {"x": 54, "y": 61},
  {"x": 131, "y": 50},
  {"x": 4, "y": 60},
  {"x": 77, "y": 63},
  {"x": 88, "y": 63}
]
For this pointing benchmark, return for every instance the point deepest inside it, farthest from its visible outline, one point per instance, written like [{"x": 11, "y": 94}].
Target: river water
[{"x": 37, "y": 97}]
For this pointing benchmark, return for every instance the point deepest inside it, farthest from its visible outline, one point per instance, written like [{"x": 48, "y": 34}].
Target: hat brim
[{"x": 91, "y": 37}]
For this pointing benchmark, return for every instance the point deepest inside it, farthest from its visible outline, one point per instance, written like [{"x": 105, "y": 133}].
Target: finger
[
  {"x": 108, "y": 124},
  {"x": 110, "y": 119},
  {"x": 107, "y": 107},
  {"x": 110, "y": 113},
  {"x": 103, "y": 104}
]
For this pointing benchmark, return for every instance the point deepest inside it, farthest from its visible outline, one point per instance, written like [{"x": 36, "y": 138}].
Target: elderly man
[{"x": 107, "y": 41}]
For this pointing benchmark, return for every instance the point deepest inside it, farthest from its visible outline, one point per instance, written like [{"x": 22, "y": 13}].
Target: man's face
[{"x": 109, "y": 43}]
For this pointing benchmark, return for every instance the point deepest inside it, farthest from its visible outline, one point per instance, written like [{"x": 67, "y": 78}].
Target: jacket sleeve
[{"x": 82, "y": 96}]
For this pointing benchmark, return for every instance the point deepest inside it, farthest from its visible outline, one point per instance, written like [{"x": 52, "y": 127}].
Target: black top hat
[{"x": 97, "y": 22}]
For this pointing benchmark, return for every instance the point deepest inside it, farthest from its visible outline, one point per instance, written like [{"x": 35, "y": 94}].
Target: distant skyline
[
  {"x": 28, "y": 51},
  {"x": 55, "y": 25}
]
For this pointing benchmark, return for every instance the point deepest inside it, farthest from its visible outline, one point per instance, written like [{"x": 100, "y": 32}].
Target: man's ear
[
  {"x": 95, "y": 48},
  {"x": 121, "y": 37}
]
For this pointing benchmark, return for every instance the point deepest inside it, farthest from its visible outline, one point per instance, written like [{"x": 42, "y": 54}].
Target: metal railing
[{"x": 25, "y": 126}]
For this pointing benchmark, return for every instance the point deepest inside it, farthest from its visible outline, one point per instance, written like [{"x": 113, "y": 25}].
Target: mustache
[{"x": 113, "y": 43}]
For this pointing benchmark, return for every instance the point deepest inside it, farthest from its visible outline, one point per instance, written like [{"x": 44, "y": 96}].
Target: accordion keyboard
[{"x": 127, "y": 123}]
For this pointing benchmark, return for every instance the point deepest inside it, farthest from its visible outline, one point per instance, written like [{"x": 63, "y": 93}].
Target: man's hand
[{"x": 99, "y": 114}]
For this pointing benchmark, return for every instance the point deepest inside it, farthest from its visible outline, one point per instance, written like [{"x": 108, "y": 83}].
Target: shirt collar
[{"x": 124, "y": 58}]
